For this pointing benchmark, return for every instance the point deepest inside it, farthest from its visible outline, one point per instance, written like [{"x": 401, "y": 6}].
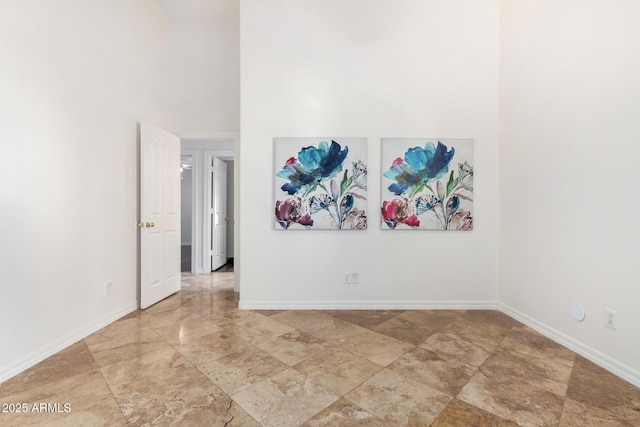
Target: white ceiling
[{"x": 194, "y": 11}]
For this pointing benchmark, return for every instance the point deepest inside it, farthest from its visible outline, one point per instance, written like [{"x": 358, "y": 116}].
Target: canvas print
[
  {"x": 320, "y": 183},
  {"x": 427, "y": 184}
]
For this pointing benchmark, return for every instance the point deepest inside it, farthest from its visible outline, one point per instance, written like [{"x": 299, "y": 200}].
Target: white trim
[
  {"x": 54, "y": 347},
  {"x": 367, "y": 305},
  {"x": 623, "y": 371},
  {"x": 208, "y": 136}
]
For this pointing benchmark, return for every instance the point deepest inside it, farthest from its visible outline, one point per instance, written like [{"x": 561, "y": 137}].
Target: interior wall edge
[
  {"x": 37, "y": 356},
  {"x": 612, "y": 365}
]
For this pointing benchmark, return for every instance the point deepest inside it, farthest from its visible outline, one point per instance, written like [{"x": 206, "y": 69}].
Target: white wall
[
  {"x": 373, "y": 69},
  {"x": 205, "y": 70},
  {"x": 75, "y": 78},
  {"x": 570, "y": 133}
]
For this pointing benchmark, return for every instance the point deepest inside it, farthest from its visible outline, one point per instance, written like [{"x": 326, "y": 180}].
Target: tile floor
[{"x": 195, "y": 359}]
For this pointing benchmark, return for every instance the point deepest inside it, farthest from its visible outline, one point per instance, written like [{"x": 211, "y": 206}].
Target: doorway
[{"x": 186, "y": 212}]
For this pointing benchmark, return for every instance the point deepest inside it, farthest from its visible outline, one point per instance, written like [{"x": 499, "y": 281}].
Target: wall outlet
[
  {"x": 610, "y": 320},
  {"x": 107, "y": 287},
  {"x": 347, "y": 277},
  {"x": 355, "y": 278}
]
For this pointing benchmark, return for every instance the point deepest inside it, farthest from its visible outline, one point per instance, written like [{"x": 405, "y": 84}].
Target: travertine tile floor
[{"x": 195, "y": 359}]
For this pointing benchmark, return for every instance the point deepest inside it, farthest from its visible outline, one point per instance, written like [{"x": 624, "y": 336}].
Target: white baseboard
[
  {"x": 623, "y": 371},
  {"x": 52, "y": 348},
  {"x": 367, "y": 305}
]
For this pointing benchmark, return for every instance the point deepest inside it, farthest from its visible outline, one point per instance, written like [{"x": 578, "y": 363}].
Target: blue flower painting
[
  {"x": 320, "y": 183},
  {"x": 427, "y": 184}
]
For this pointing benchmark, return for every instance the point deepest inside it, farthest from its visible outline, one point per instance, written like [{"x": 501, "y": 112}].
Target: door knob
[
  {"x": 140, "y": 225},
  {"x": 149, "y": 225}
]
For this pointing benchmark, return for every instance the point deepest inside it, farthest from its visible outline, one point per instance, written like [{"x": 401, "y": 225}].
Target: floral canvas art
[
  {"x": 320, "y": 183},
  {"x": 427, "y": 184}
]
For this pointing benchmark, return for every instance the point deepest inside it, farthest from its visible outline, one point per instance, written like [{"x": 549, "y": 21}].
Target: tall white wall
[
  {"x": 370, "y": 68},
  {"x": 569, "y": 138},
  {"x": 75, "y": 78},
  {"x": 205, "y": 74}
]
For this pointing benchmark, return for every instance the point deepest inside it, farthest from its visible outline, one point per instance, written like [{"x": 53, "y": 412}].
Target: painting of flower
[
  {"x": 427, "y": 184},
  {"x": 320, "y": 183}
]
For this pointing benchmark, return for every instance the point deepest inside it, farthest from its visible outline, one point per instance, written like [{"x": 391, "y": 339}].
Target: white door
[
  {"x": 159, "y": 214},
  {"x": 218, "y": 214}
]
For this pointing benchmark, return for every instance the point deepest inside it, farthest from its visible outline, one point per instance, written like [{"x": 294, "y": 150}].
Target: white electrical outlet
[
  {"x": 107, "y": 287},
  {"x": 611, "y": 318},
  {"x": 355, "y": 278},
  {"x": 347, "y": 278}
]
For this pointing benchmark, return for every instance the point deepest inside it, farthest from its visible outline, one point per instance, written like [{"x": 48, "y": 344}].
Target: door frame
[{"x": 224, "y": 155}]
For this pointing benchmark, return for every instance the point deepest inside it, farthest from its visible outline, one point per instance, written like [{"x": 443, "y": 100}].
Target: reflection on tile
[
  {"x": 181, "y": 328},
  {"x": 164, "y": 388},
  {"x": 286, "y": 399},
  {"x": 82, "y": 399},
  {"x": 526, "y": 341},
  {"x": 580, "y": 414},
  {"x": 239, "y": 370},
  {"x": 325, "y": 327},
  {"x": 71, "y": 361},
  {"x": 338, "y": 369},
  {"x": 398, "y": 400},
  {"x": 378, "y": 348},
  {"x": 123, "y": 340},
  {"x": 459, "y": 413},
  {"x": 211, "y": 347},
  {"x": 230, "y": 318},
  {"x": 523, "y": 405},
  {"x": 344, "y": 414},
  {"x": 447, "y": 376},
  {"x": 294, "y": 347},
  {"x": 592, "y": 385}
]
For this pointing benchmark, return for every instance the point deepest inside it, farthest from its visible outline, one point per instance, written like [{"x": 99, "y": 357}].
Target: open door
[
  {"x": 218, "y": 214},
  {"x": 160, "y": 214}
]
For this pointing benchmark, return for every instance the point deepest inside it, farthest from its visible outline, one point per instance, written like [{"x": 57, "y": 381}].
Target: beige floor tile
[
  {"x": 377, "y": 348},
  {"x": 593, "y": 386},
  {"x": 583, "y": 415},
  {"x": 447, "y": 376},
  {"x": 71, "y": 361},
  {"x": 210, "y": 347},
  {"x": 344, "y": 414},
  {"x": 461, "y": 414},
  {"x": 323, "y": 326},
  {"x": 186, "y": 328},
  {"x": 259, "y": 331},
  {"x": 486, "y": 335},
  {"x": 432, "y": 319},
  {"x": 164, "y": 388},
  {"x": 294, "y": 347},
  {"x": 123, "y": 340},
  {"x": 239, "y": 370},
  {"x": 230, "y": 318},
  {"x": 526, "y": 341},
  {"x": 82, "y": 399},
  {"x": 365, "y": 318},
  {"x": 527, "y": 372},
  {"x": 338, "y": 369},
  {"x": 399, "y": 401},
  {"x": 453, "y": 348},
  {"x": 286, "y": 399},
  {"x": 404, "y": 330},
  {"x": 500, "y": 395}
]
